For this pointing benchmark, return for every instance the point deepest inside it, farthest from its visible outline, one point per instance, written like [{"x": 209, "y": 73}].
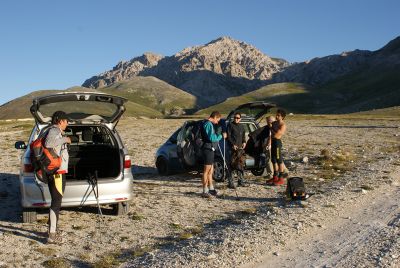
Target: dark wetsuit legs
[
  {"x": 276, "y": 151},
  {"x": 56, "y": 188}
]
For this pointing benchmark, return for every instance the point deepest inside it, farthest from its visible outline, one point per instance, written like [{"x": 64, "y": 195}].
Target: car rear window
[{"x": 76, "y": 108}]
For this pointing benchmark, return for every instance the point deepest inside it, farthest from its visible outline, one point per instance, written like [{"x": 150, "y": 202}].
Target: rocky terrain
[
  {"x": 319, "y": 71},
  {"x": 212, "y": 72},
  {"x": 124, "y": 70},
  {"x": 350, "y": 166},
  {"x": 226, "y": 67}
]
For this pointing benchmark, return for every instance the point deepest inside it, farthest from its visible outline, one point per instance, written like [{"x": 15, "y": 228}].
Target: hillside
[
  {"x": 365, "y": 90},
  {"x": 153, "y": 93},
  {"x": 360, "y": 91},
  {"x": 19, "y": 107},
  {"x": 148, "y": 96},
  {"x": 284, "y": 94}
]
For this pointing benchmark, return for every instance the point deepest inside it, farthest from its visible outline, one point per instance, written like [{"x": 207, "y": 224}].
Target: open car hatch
[
  {"x": 252, "y": 110},
  {"x": 79, "y": 106}
]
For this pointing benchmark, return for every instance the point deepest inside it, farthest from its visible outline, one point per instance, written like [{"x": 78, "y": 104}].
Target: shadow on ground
[{"x": 10, "y": 198}]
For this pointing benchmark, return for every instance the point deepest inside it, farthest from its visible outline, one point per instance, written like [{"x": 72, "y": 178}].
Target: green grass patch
[
  {"x": 333, "y": 163},
  {"x": 140, "y": 251},
  {"x": 57, "y": 263},
  {"x": 185, "y": 236},
  {"x": 78, "y": 227},
  {"x": 108, "y": 260},
  {"x": 123, "y": 238},
  {"x": 249, "y": 211},
  {"x": 46, "y": 251},
  {"x": 176, "y": 226},
  {"x": 136, "y": 216},
  {"x": 196, "y": 230}
]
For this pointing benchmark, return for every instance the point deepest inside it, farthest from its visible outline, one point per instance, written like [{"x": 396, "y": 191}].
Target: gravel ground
[{"x": 352, "y": 219}]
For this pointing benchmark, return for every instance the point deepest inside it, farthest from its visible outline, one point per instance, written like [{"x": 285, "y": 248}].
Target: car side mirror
[{"x": 20, "y": 145}]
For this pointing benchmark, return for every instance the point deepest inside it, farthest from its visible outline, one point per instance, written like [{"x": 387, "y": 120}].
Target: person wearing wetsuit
[
  {"x": 277, "y": 131},
  {"x": 237, "y": 141},
  {"x": 56, "y": 184}
]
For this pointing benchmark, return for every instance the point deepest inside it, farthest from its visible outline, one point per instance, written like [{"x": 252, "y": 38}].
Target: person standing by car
[
  {"x": 56, "y": 184},
  {"x": 270, "y": 167},
  {"x": 237, "y": 141},
  {"x": 277, "y": 131},
  {"x": 210, "y": 143}
]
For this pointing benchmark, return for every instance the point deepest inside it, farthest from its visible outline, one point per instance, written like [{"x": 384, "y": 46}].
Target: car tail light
[
  {"x": 127, "y": 161},
  {"x": 120, "y": 199},
  {"x": 28, "y": 168},
  {"x": 39, "y": 204}
]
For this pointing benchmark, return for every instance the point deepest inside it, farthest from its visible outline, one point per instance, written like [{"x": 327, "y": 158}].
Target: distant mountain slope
[
  {"x": 320, "y": 71},
  {"x": 358, "y": 91},
  {"x": 371, "y": 88},
  {"x": 153, "y": 93},
  {"x": 148, "y": 96},
  {"x": 283, "y": 94},
  {"x": 19, "y": 107}
]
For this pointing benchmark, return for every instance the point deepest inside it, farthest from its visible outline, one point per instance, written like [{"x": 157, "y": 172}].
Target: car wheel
[
  {"x": 258, "y": 172},
  {"x": 162, "y": 166},
  {"x": 121, "y": 208},
  {"x": 219, "y": 171},
  {"x": 29, "y": 215}
]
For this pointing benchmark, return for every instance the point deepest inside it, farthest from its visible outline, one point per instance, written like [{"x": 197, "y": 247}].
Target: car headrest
[
  {"x": 87, "y": 135},
  {"x": 74, "y": 138}
]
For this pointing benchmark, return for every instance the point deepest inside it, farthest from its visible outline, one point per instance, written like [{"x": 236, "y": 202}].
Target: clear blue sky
[{"x": 58, "y": 44}]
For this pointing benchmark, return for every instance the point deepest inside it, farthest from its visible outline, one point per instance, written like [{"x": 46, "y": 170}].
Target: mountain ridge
[{"x": 225, "y": 67}]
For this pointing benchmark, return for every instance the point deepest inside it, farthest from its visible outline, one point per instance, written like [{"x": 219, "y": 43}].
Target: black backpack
[{"x": 295, "y": 189}]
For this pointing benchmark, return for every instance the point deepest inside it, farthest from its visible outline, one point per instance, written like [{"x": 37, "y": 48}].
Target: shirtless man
[{"x": 277, "y": 131}]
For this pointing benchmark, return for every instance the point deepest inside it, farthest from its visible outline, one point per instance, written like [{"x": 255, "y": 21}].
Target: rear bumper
[{"x": 77, "y": 193}]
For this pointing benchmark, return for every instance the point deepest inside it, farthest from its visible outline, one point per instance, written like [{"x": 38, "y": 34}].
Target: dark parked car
[{"x": 180, "y": 153}]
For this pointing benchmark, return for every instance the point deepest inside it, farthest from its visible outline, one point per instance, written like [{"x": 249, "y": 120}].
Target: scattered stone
[
  {"x": 305, "y": 160},
  {"x": 212, "y": 256},
  {"x": 363, "y": 191}
]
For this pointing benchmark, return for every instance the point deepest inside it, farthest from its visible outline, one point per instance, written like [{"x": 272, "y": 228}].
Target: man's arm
[
  {"x": 229, "y": 133},
  {"x": 243, "y": 137}
]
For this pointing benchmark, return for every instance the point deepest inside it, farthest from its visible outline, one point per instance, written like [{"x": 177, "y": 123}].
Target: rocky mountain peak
[
  {"x": 230, "y": 57},
  {"x": 124, "y": 70},
  {"x": 222, "y": 56}
]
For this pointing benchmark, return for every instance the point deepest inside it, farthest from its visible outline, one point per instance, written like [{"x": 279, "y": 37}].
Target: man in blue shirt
[{"x": 210, "y": 139}]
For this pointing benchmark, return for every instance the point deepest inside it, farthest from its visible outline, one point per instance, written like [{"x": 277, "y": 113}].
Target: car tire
[
  {"x": 162, "y": 166},
  {"x": 219, "y": 170},
  {"x": 121, "y": 208},
  {"x": 29, "y": 215},
  {"x": 258, "y": 172}
]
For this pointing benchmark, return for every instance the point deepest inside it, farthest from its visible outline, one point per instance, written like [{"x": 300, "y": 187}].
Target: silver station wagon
[{"x": 96, "y": 148}]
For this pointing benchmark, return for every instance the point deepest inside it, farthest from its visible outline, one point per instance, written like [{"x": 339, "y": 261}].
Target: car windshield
[{"x": 79, "y": 109}]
